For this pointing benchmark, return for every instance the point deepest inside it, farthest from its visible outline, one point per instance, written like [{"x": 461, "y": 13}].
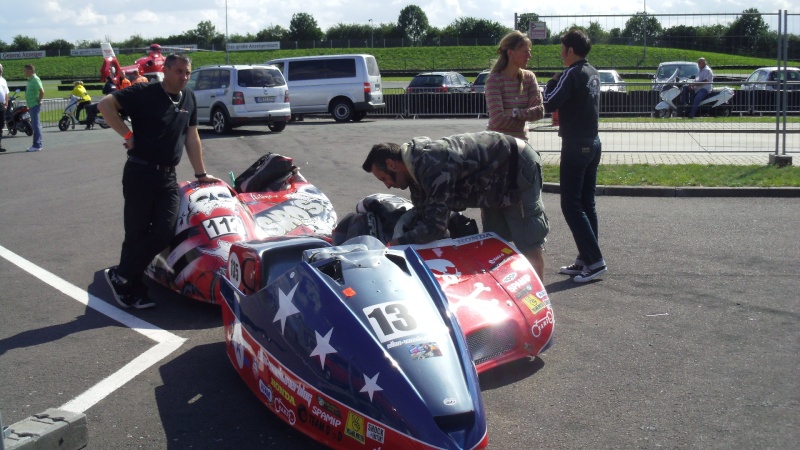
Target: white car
[
  {"x": 229, "y": 96},
  {"x": 766, "y": 78},
  {"x": 610, "y": 81}
]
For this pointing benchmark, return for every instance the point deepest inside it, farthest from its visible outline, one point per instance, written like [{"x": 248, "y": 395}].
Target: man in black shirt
[
  {"x": 164, "y": 118},
  {"x": 575, "y": 94}
]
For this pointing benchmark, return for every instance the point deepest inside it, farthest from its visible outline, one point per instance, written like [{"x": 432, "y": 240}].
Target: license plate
[
  {"x": 26, "y": 116},
  {"x": 267, "y": 99}
]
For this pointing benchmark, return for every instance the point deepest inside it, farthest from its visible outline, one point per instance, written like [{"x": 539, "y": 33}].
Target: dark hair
[
  {"x": 30, "y": 67},
  {"x": 177, "y": 56},
  {"x": 578, "y": 40},
  {"x": 379, "y": 154}
]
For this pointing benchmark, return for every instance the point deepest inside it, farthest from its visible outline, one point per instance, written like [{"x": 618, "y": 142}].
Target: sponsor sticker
[
  {"x": 354, "y": 427},
  {"x": 265, "y": 390},
  {"x": 533, "y": 303},
  {"x": 375, "y": 432},
  {"x": 424, "y": 350}
]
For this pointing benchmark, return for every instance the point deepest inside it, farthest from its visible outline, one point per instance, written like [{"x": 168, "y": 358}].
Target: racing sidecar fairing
[
  {"x": 213, "y": 216},
  {"x": 352, "y": 345}
]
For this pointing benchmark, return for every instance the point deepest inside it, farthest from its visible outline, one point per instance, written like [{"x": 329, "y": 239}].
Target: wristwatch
[{"x": 515, "y": 112}]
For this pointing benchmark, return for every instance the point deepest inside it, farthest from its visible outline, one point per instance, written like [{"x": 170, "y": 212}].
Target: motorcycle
[
  {"x": 70, "y": 118},
  {"x": 677, "y": 99},
  {"x": 17, "y": 117}
]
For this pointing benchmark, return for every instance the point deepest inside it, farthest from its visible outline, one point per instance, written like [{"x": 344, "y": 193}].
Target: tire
[
  {"x": 663, "y": 113},
  {"x": 12, "y": 131},
  {"x": 723, "y": 112},
  {"x": 342, "y": 110},
  {"x": 277, "y": 127},
  {"x": 63, "y": 124},
  {"x": 359, "y": 115},
  {"x": 220, "y": 121},
  {"x": 28, "y": 129}
]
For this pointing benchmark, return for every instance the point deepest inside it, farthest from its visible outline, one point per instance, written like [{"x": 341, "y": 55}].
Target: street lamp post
[
  {"x": 227, "y": 61},
  {"x": 371, "y": 35}
]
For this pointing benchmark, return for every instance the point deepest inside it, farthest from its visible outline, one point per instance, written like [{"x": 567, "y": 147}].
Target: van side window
[
  {"x": 204, "y": 80},
  {"x": 322, "y": 69}
]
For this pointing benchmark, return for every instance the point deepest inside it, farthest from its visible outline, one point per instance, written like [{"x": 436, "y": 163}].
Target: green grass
[{"x": 690, "y": 175}]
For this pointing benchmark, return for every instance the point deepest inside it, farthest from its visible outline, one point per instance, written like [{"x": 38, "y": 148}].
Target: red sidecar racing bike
[{"x": 355, "y": 344}]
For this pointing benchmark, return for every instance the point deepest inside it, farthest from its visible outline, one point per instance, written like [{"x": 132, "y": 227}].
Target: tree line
[{"x": 748, "y": 34}]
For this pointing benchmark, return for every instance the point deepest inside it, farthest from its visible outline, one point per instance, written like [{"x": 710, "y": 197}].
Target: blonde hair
[
  {"x": 78, "y": 83},
  {"x": 511, "y": 41}
]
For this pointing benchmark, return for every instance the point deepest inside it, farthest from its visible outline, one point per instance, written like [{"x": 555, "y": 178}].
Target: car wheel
[
  {"x": 63, "y": 124},
  {"x": 342, "y": 110},
  {"x": 28, "y": 129},
  {"x": 359, "y": 115},
  {"x": 220, "y": 121},
  {"x": 277, "y": 127}
]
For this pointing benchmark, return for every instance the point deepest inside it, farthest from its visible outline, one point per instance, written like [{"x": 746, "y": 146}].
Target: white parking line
[{"x": 167, "y": 342}]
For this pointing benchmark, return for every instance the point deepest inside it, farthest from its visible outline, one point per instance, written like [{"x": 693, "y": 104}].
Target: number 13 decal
[{"x": 391, "y": 320}]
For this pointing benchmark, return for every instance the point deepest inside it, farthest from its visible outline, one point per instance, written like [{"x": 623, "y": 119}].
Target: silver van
[{"x": 346, "y": 86}]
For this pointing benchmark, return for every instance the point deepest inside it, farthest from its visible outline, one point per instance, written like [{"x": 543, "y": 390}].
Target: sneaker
[
  {"x": 589, "y": 274},
  {"x": 121, "y": 288},
  {"x": 34, "y": 149},
  {"x": 143, "y": 303},
  {"x": 572, "y": 269},
  {"x": 2, "y": 149}
]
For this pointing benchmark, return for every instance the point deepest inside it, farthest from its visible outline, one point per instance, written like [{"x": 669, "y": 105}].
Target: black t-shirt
[{"x": 159, "y": 125}]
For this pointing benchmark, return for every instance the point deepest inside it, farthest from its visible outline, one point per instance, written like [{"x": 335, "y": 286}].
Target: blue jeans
[
  {"x": 698, "y": 97},
  {"x": 37, "y": 125},
  {"x": 578, "y": 173}
]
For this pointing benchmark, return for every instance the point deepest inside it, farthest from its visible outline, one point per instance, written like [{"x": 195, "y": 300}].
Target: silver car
[
  {"x": 230, "y": 96},
  {"x": 610, "y": 81}
]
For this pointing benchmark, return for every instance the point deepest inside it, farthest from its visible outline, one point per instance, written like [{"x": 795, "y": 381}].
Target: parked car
[
  {"x": 229, "y": 96},
  {"x": 480, "y": 82},
  {"x": 610, "y": 81},
  {"x": 346, "y": 86},
  {"x": 762, "y": 78},
  {"x": 686, "y": 70},
  {"x": 438, "y": 82}
]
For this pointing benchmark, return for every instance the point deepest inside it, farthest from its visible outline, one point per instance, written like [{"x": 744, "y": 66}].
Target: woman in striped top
[{"x": 512, "y": 93}]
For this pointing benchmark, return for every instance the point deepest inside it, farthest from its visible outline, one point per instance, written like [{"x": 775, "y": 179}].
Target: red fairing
[
  {"x": 213, "y": 217},
  {"x": 500, "y": 303}
]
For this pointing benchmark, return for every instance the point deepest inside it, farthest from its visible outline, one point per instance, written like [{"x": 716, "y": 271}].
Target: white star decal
[
  {"x": 323, "y": 347},
  {"x": 371, "y": 385},
  {"x": 286, "y": 308}
]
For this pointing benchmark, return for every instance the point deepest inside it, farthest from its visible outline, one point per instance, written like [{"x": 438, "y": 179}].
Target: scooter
[
  {"x": 17, "y": 117},
  {"x": 70, "y": 118},
  {"x": 677, "y": 99}
]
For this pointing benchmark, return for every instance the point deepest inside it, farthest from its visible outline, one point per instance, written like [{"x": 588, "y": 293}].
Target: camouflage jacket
[{"x": 454, "y": 173}]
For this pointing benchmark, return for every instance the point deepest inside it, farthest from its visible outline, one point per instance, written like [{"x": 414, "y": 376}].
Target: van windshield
[{"x": 684, "y": 70}]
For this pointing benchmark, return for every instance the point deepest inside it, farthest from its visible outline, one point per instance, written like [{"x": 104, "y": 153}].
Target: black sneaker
[
  {"x": 142, "y": 302},
  {"x": 2, "y": 149},
  {"x": 589, "y": 274},
  {"x": 120, "y": 287},
  {"x": 572, "y": 269}
]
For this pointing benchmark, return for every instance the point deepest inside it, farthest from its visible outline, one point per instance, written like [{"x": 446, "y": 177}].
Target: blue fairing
[{"x": 369, "y": 328}]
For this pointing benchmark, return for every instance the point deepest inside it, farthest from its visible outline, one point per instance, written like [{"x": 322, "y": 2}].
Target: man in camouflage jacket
[{"x": 488, "y": 170}]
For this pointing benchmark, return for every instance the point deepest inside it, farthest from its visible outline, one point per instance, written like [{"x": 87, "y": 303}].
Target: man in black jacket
[{"x": 575, "y": 94}]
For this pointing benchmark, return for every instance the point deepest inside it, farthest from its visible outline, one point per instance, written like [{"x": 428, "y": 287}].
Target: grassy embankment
[{"x": 470, "y": 60}]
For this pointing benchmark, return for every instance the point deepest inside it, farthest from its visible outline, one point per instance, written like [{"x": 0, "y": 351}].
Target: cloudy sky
[{"x": 118, "y": 20}]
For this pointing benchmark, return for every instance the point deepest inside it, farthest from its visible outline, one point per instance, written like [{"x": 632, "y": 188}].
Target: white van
[{"x": 346, "y": 86}]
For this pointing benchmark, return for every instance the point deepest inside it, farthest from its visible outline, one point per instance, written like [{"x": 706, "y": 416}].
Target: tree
[
  {"x": 597, "y": 34},
  {"x": 23, "y": 44},
  {"x": 271, "y": 34},
  {"x": 413, "y": 22},
  {"x": 303, "y": 27},
  {"x": 349, "y": 31},
  {"x": 680, "y": 36},
  {"x": 747, "y": 32},
  {"x": 58, "y": 47},
  {"x": 205, "y": 35},
  {"x": 641, "y": 26},
  {"x": 524, "y": 20},
  {"x": 470, "y": 27}
]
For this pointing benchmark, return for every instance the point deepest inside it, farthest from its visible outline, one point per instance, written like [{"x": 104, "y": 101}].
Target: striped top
[{"x": 503, "y": 94}]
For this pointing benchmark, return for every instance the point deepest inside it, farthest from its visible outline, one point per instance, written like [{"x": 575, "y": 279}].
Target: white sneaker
[{"x": 34, "y": 149}]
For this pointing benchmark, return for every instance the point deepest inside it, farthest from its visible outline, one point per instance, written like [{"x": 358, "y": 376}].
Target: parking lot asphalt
[{"x": 690, "y": 340}]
